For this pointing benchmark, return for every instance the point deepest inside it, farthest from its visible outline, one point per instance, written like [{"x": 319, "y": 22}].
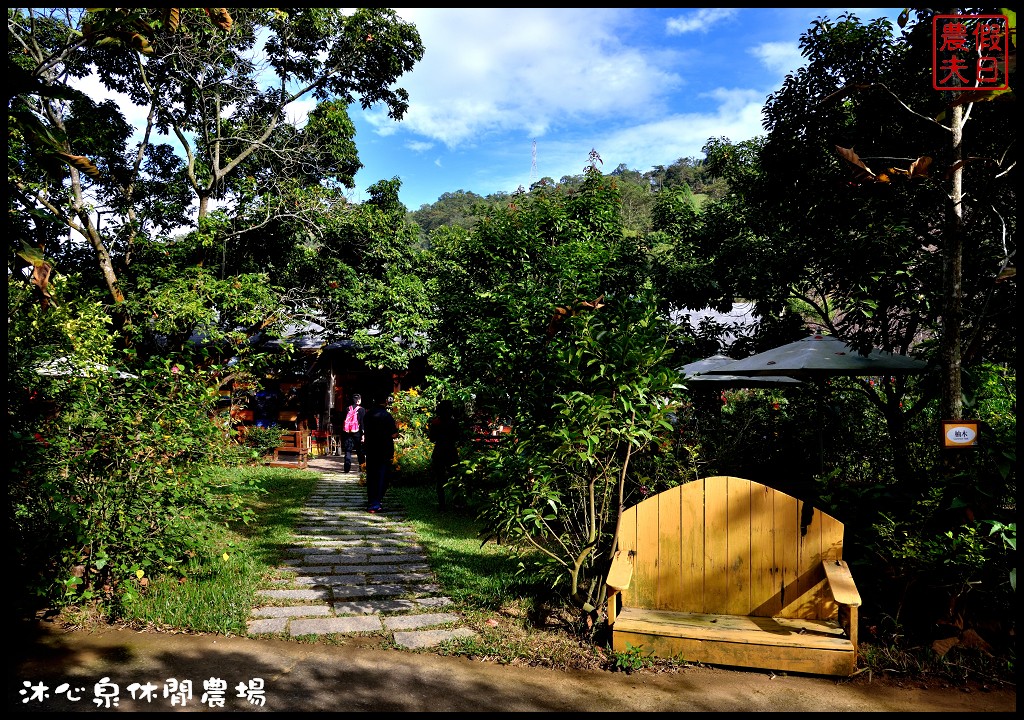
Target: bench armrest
[
  {"x": 840, "y": 582},
  {"x": 844, "y": 591},
  {"x": 620, "y": 574}
]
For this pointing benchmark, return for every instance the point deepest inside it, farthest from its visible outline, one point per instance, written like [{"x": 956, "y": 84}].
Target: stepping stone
[
  {"x": 333, "y": 626},
  {"x": 291, "y": 611},
  {"x": 295, "y": 594},
  {"x": 267, "y": 627},
  {"x": 354, "y": 592},
  {"x": 374, "y": 607},
  {"x": 430, "y": 638},
  {"x": 415, "y": 622}
]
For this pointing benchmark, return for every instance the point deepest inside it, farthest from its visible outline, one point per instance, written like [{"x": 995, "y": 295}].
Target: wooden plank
[
  {"x": 296, "y": 464},
  {"x": 620, "y": 574},
  {"x": 691, "y": 538},
  {"x": 764, "y": 595},
  {"x": 716, "y": 545},
  {"x": 738, "y": 568},
  {"x": 831, "y": 538},
  {"x": 738, "y": 628},
  {"x": 831, "y": 550},
  {"x": 786, "y": 547},
  {"x": 669, "y": 552},
  {"x": 719, "y": 651},
  {"x": 645, "y": 566},
  {"x": 810, "y": 581}
]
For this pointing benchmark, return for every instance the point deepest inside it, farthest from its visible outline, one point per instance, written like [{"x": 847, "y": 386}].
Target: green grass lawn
[{"x": 215, "y": 593}]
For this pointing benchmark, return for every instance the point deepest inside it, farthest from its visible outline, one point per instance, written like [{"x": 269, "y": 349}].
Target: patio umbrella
[
  {"x": 818, "y": 357},
  {"x": 698, "y": 373}
]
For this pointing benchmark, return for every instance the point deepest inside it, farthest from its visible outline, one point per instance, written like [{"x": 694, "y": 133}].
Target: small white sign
[{"x": 960, "y": 434}]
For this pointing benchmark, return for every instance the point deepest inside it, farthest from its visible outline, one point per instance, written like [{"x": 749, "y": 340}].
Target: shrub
[
  {"x": 557, "y": 484},
  {"x": 109, "y": 487},
  {"x": 412, "y": 410},
  {"x": 262, "y": 440}
]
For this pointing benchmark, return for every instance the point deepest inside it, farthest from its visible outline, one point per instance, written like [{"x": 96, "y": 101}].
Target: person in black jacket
[
  {"x": 443, "y": 430},
  {"x": 379, "y": 433}
]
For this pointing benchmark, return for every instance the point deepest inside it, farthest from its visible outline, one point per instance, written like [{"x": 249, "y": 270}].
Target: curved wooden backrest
[{"x": 725, "y": 545}]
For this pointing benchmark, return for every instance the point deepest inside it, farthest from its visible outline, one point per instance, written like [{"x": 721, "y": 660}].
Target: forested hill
[{"x": 461, "y": 207}]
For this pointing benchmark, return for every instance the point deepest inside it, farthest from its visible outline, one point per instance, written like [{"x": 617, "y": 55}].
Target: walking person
[
  {"x": 380, "y": 431},
  {"x": 443, "y": 432},
  {"x": 353, "y": 429}
]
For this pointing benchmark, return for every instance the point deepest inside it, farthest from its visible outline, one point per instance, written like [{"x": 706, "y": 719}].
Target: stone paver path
[{"x": 353, "y": 572}]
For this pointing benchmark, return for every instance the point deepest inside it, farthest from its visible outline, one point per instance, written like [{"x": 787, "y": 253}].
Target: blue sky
[{"x": 641, "y": 86}]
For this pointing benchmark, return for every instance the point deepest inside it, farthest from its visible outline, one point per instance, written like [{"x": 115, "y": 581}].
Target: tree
[
  {"x": 451, "y": 208},
  {"x": 203, "y": 85},
  {"x": 112, "y": 467},
  {"x": 546, "y": 317},
  {"x": 560, "y": 484},
  {"x": 497, "y": 287},
  {"x": 896, "y": 234},
  {"x": 868, "y": 257},
  {"x": 845, "y": 217},
  {"x": 362, "y": 279}
]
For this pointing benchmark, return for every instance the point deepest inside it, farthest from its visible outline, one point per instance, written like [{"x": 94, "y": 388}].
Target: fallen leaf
[
  {"x": 941, "y": 647},
  {"x": 971, "y": 639}
]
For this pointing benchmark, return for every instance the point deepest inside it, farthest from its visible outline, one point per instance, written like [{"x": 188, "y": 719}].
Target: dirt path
[{"x": 322, "y": 677}]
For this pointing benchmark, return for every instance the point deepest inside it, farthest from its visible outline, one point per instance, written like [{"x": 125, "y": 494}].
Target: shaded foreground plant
[
  {"x": 215, "y": 590},
  {"x": 558, "y": 486},
  {"x": 107, "y": 488}
]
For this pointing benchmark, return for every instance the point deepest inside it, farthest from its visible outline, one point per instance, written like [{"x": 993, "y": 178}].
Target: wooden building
[{"x": 313, "y": 394}]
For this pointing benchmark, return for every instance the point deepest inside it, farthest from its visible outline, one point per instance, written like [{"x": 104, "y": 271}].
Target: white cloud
[
  {"x": 779, "y": 57},
  {"x": 298, "y": 111},
  {"x": 134, "y": 114},
  {"x": 699, "y": 21},
  {"x": 736, "y": 115},
  {"x": 541, "y": 68}
]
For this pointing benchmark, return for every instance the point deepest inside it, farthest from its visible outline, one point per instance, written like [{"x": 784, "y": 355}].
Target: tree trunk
[{"x": 952, "y": 316}]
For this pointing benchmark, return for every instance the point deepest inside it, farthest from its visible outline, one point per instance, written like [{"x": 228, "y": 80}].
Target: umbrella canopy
[
  {"x": 698, "y": 372},
  {"x": 821, "y": 356}
]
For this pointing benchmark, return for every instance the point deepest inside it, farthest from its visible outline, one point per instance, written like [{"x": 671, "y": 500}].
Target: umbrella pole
[{"x": 822, "y": 394}]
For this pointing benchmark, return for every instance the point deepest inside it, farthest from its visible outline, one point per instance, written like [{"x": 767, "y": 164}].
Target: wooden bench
[
  {"x": 293, "y": 442},
  {"x": 727, "y": 571}
]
